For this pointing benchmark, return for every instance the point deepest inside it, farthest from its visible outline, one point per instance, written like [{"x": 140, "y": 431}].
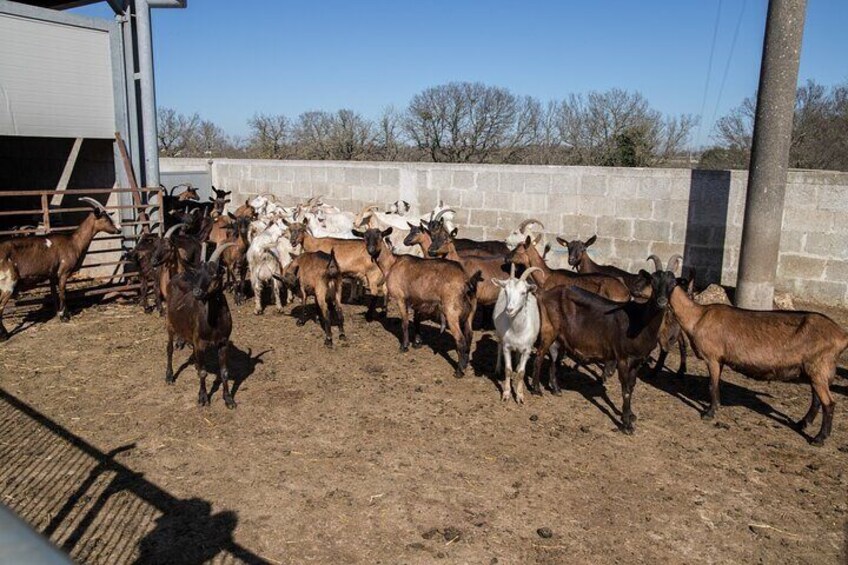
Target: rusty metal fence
[{"x": 21, "y": 208}]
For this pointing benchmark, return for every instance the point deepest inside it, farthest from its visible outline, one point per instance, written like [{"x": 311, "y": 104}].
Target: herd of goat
[{"x": 591, "y": 313}]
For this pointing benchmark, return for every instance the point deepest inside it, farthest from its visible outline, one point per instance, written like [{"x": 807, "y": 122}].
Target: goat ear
[
  {"x": 357, "y": 233},
  {"x": 453, "y": 232},
  {"x": 499, "y": 282},
  {"x": 644, "y": 274},
  {"x": 387, "y": 232},
  {"x": 529, "y": 241},
  {"x": 591, "y": 240},
  {"x": 411, "y": 225},
  {"x": 690, "y": 288},
  {"x": 532, "y": 287},
  {"x": 561, "y": 241},
  {"x": 231, "y": 215},
  {"x": 424, "y": 227}
]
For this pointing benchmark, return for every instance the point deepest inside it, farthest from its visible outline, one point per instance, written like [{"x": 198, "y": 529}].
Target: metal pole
[
  {"x": 148, "y": 93},
  {"x": 770, "y": 154}
]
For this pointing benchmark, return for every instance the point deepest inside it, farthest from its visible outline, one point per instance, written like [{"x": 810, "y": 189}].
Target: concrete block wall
[{"x": 635, "y": 212}]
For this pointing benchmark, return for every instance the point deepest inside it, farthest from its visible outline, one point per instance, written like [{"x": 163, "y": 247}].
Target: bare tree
[
  {"x": 465, "y": 122},
  {"x": 210, "y": 140},
  {"x": 312, "y": 135},
  {"x": 176, "y": 132},
  {"x": 388, "y": 139},
  {"x": 269, "y": 136},
  {"x": 351, "y": 136}
]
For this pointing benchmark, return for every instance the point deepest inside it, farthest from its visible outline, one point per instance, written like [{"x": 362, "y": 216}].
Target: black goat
[{"x": 198, "y": 314}]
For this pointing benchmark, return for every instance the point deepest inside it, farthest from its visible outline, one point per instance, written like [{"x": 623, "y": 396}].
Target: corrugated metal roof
[{"x": 58, "y": 4}]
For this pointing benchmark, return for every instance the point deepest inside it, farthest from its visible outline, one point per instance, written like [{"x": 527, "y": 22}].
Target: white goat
[
  {"x": 372, "y": 218},
  {"x": 520, "y": 233},
  {"x": 517, "y": 324},
  {"x": 268, "y": 255}
]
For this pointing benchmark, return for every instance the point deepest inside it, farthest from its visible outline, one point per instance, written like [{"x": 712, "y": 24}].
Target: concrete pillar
[{"x": 770, "y": 154}]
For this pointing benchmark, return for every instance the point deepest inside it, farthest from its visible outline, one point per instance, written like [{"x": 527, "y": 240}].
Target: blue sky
[{"x": 228, "y": 60}]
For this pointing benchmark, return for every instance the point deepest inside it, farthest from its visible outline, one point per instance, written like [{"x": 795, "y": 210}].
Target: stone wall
[{"x": 634, "y": 212}]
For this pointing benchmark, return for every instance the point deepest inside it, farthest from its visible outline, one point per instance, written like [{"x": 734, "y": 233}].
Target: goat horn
[
  {"x": 276, "y": 257},
  {"x": 657, "y": 263},
  {"x": 523, "y": 225},
  {"x": 172, "y": 229},
  {"x": 203, "y": 252},
  {"x": 674, "y": 262},
  {"x": 360, "y": 218},
  {"x": 94, "y": 203},
  {"x": 269, "y": 195},
  {"x": 512, "y": 270},
  {"x": 218, "y": 251},
  {"x": 441, "y": 213},
  {"x": 526, "y": 273}
]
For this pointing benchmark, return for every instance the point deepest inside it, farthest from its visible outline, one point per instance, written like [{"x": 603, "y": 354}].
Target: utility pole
[{"x": 770, "y": 154}]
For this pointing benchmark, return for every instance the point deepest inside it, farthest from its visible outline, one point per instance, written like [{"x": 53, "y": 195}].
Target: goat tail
[
  {"x": 471, "y": 284},
  {"x": 333, "y": 269}
]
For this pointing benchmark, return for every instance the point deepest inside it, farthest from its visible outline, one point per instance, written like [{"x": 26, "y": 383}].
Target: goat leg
[
  {"x": 63, "y": 313},
  {"x": 169, "y": 369},
  {"x": 506, "y": 383},
  {"x": 223, "y": 352},
  {"x": 811, "y": 414},
  {"x": 404, "y": 321},
  {"x": 257, "y": 294},
  {"x": 821, "y": 387},
  {"x": 627, "y": 378},
  {"x": 659, "y": 364},
  {"x": 714, "y": 368},
  {"x": 278, "y": 290},
  {"x": 681, "y": 341},
  {"x": 416, "y": 330},
  {"x": 302, "y": 319},
  {"x": 5, "y": 296}
]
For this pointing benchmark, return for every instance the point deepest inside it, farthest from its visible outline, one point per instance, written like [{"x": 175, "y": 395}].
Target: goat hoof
[
  {"x": 417, "y": 344},
  {"x": 203, "y": 400},
  {"x": 279, "y": 311},
  {"x": 404, "y": 348},
  {"x": 148, "y": 309},
  {"x": 342, "y": 337},
  {"x": 519, "y": 398},
  {"x": 628, "y": 430},
  {"x": 230, "y": 403},
  {"x": 258, "y": 312},
  {"x": 817, "y": 441},
  {"x": 328, "y": 343},
  {"x": 169, "y": 379},
  {"x": 301, "y": 323},
  {"x": 708, "y": 415},
  {"x": 801, "y": 425},
  {"x": 64, "y": 317},
  {"x": 535, "y": 391},
  {"x": 4, "y": 335},
  {"x": 556, "y": 392}
]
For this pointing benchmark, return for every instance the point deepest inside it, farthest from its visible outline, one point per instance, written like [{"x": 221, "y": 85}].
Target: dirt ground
[{"x": 361, "y": 454}]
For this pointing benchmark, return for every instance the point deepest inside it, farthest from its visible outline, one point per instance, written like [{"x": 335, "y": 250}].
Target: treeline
[
  {"x": 462, "y": 122},
  {"x": 819, "y": 132}
]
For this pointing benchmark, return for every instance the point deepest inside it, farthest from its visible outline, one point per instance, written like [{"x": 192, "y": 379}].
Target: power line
[
  {"x": 709, "y": 72},
  {"x": 729, "y": 58}
]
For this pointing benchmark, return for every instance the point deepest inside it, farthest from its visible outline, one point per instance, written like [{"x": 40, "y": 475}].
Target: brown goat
[
  {"x": 579, "y": 259},
  {"x": 765, "y": 345},
  {"x": 317, "y": 274},
  {"x": 27, "y": 261},
  {"x": 491, "y": 267},
  {"x": 429, "y": 287},
  {"x": 526, "y": 254},
  {"x": 352, "y": 257}
]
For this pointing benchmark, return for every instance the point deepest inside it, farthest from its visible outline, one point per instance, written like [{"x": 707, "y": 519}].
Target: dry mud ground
[{"x": 363, "y": 455}]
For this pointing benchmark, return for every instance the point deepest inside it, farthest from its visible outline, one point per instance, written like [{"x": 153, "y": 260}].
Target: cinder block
[
  {"x": 596, "y": 205},
  {"x": 678, "y": 232},
  {"x": 510, "y": 220},
  {"x": 807, "y": 220},
  {"x": 652, "y": 231},
  {"x": 451, "y": 197},
  {"x": 664, "y": 250},
  {"x": 340, "y": 192},
  {"x": 353, "y": 176},
  {"x": 800, "y": 267},
  {"x": 462, "y": 179},
  {"x": 531, "y": 203},
  {"x": 301, "y": 176},
  {"x": 371, "y": 176},
  {"x": 422, "y": 180},
  {"x": 564, "y": 203},
  {"x": 335, "y": 175},
  {"x": 827, "y": 245},
  {"x": 656, "y": 188},
  {"x": 801, "y": 197},
  {"x": 836, "y": 270},
  {"x": 440, "y": 179},
  {"x": 472, "y": 199},
  {"x": 601, "y": 251},
  {"x": 578, "y": 226},
  {"x": 565, "y": 183},
  {"x": 488, "y": 181},
  {"x": 824, "y": 292},
  {"x": 610, "y": 226},
  {"x": 639, "y": 208},
  {"x": 833, "y": 198},
  {"x": 484, "y": 218},
  {"x": 472, "y": 232},
  {"x": 511, "y": 182},
  {"x": 427, "y": 199},
  {"x": 622, "y": 187},
  {"x": 537, "y": 183},
  {"x": 593, "y": 185},
  {"x": 497, "y": 200},
  {"x": 630, "y": 249},
  {"x": 670, "y": 210},
  {"x": 390, "y": 177},
  {"x": 496, "y": 233},
  {"x": 363, "y": 194}
]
